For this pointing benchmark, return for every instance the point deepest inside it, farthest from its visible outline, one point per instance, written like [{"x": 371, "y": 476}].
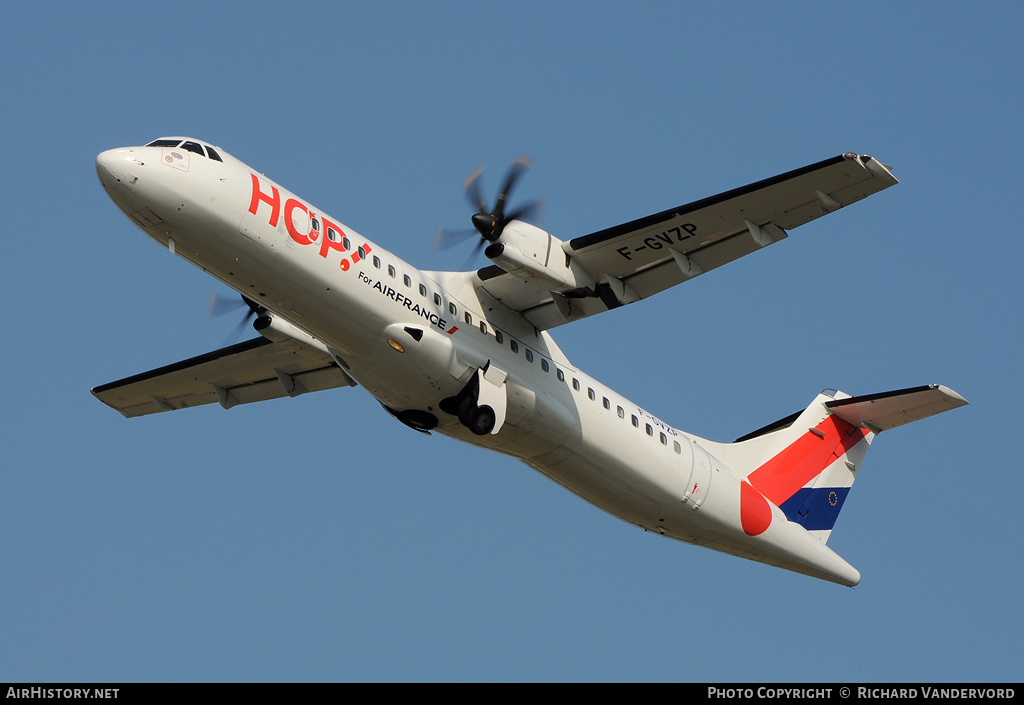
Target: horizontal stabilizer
[{"x": 880, "y": 412}]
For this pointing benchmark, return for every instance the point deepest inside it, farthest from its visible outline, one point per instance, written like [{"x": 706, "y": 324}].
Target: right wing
[
  {"x": 255, "y": 370},
  {"x": 638, "y": 259}
]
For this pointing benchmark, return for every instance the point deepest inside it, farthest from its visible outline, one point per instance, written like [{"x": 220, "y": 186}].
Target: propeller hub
[
  {"x": 486, "y": 224},
  {"x": 489, "y": 223}
]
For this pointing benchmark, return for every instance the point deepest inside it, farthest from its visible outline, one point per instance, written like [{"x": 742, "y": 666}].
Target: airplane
[{"x": 469, "y": 354}]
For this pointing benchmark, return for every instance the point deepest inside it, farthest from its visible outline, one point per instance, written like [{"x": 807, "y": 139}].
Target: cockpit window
[{"x": 194, "y": 147}]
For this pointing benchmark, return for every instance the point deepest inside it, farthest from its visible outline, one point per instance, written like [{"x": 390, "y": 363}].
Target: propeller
[
  {"x": 220, "y": 306},
  {"x": 488, "y": 224}
]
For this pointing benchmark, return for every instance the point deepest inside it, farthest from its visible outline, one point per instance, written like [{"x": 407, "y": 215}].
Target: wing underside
[
  {"x": 252, "y": 371},
  {"x": 638, "y": 259}
]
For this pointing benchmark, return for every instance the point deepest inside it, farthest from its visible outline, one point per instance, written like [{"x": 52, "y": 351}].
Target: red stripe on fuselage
[{"x": 804, "y": 459}]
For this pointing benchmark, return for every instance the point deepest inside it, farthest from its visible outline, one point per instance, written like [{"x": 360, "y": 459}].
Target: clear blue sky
[{"x": 318, "y": 539}]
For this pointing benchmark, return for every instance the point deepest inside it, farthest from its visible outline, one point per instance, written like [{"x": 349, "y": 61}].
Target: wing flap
[
  {"x": 256, "y": 370},
  {"x": 880, "y": 412}
]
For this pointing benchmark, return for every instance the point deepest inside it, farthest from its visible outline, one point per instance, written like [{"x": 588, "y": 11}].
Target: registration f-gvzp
[{"x": 469, "y": 354}]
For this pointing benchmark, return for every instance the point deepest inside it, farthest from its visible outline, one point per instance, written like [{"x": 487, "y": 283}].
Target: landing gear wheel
[
  {"x": 483, "y": 421},
  {"x": 478, "y": 419}
]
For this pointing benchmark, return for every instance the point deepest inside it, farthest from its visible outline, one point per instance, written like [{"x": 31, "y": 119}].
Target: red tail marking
[
  {"x": 804, "y": 459},
  {"x": 755, "y": 514}
]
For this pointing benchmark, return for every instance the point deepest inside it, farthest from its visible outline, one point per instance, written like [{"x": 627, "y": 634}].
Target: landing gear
[
  {"x": 416, "y": 419},
  {"x": 478, "y": 418}
]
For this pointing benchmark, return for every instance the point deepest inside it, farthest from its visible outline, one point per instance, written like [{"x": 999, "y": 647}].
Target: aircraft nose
[{"x": 115, "y": 166}]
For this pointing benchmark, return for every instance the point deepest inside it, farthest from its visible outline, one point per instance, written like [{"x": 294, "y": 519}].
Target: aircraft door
[{"x": 700, "y": 477}]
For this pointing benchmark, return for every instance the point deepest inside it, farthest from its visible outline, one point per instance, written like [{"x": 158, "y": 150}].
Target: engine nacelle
[
  {"x": 280, "y": 331},
  {"x": 531, "y": 253}
]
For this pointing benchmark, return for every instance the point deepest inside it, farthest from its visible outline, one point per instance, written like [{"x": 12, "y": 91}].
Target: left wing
[
  {"x": 638, "y": 259},
  {"x": 255, "y": 370}
]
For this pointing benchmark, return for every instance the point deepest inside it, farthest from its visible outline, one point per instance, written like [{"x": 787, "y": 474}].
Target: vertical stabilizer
[
  {"x": 806, "y": 463},
  {"x": 810, "y": 478}
]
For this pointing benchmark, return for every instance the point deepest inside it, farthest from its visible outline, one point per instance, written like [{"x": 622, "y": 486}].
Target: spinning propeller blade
[{"x": 488, "y": 224}]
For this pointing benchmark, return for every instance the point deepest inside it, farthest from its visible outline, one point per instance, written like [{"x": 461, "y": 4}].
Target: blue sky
[{"x": 316, "y": 539}]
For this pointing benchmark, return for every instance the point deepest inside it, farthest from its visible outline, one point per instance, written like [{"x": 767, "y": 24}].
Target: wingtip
[{"x": 956, "y": 397}]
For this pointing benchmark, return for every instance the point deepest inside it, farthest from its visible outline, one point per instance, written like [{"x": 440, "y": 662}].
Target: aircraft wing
[
  {"x": 255, "y": 370},
  {"x": 638, "y": 259}
]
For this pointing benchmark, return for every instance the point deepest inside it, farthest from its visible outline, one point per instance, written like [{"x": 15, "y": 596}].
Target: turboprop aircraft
[{"x": 470, "y": 354}]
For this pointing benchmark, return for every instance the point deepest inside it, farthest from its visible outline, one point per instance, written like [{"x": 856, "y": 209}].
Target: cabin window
[
  {"x": 607, "y": 404},
  {"x": 650, "y": 431},
  {"x": 483, "y": 327},
  {"x": 361, "y": 252},
  {"x": 664, "y": 440},
  {"x": 469, "y": 318},
  {"x": 622, "y": 413},
  {"x": 391, "y": 271},
  {"x": 376, "y": 261},
  {"x": 544, "y": 364},
  {"x": 560, "y": 375},
  {"x": 423, "y": 288},
  {"x": 346, "y": 244},
  {"x": 675, "y": 444},
  {"x": 575, "y": 384},
  {"x": 636, "y": 422},
  {"x": 498, "y": 336},
  {"x": 591, "y": 394},
  {"x": 437, "y": 299},
  {"x": 333, "y": 235},
  {"x": 514, "y": 345},
  {"x": 452, "y": 309},
  {"x": 529, "y": 355}
]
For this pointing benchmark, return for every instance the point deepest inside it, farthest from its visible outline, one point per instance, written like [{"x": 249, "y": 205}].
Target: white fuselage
[{"x": 354, "y": 296}]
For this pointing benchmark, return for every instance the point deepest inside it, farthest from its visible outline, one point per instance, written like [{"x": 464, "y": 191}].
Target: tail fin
[{"x": 806, "y": 463}]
